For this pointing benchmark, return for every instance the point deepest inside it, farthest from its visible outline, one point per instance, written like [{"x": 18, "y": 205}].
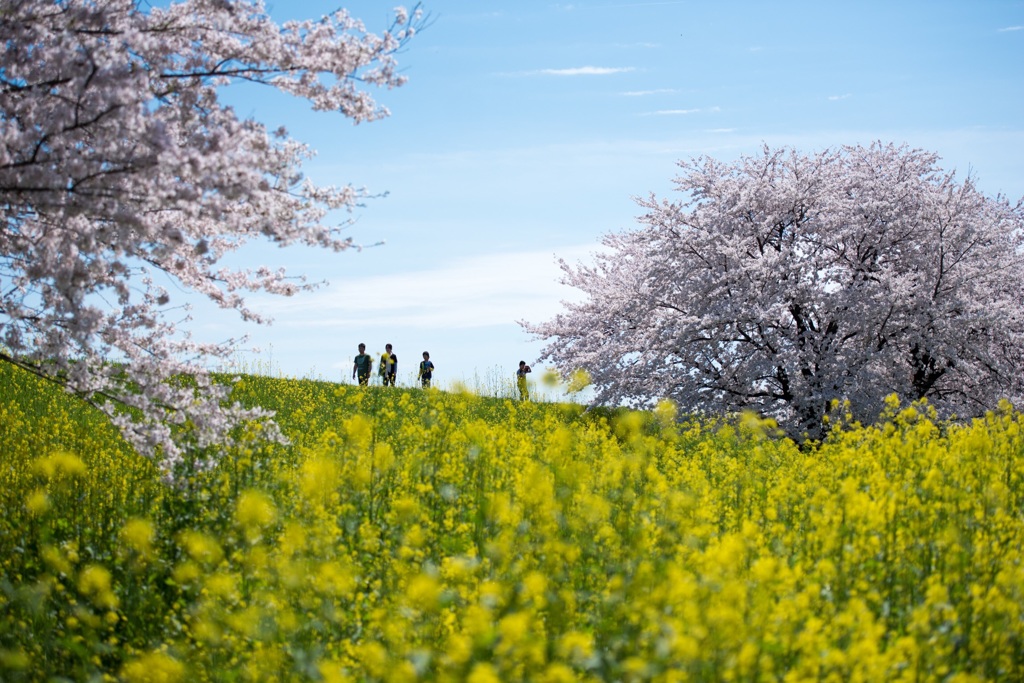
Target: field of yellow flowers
[{"x": 408, "y": 535}]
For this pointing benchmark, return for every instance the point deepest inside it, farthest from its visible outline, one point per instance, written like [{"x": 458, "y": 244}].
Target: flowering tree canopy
[
  {"x": 786, "y": 281},
  {"x": 122, "y": 173}
]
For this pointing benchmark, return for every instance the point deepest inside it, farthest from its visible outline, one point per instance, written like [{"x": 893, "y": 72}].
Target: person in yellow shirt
[
  {"x": 388, "y": 366},
  {"x": 524, "y": 391}
]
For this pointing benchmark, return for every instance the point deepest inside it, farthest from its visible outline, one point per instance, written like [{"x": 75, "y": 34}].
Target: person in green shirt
[{"x": 362, "y": 366}]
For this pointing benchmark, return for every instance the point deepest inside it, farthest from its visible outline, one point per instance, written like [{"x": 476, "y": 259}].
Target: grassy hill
[{"x": 410, "y": 535}]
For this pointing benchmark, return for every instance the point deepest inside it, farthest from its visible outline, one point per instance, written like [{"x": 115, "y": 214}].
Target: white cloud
[
  {"x": 641, "y": 45},
  {"x": 1011, "y": 28},
  {"x": 834, "y": 98},
  {"x": 644, "y": 93},
  {"x": 649, "y": 4},
  {"x": 672, "y": 112},
  {"x": 485, "y": 290},
  {"x": 586, "y": 71},
  {"x": 682, "y": 112}
]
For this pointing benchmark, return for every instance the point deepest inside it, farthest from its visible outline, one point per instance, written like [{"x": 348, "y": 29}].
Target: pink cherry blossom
[{"x": 785, "y": 281}]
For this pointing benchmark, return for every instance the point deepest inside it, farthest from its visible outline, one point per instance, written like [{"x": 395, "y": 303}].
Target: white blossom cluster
[
  {"x": 121, "y": 170},
  {"x": 784, "y": 282}
]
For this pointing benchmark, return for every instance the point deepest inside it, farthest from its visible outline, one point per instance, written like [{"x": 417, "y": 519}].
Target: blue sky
[{"x": 527, "y": 128}]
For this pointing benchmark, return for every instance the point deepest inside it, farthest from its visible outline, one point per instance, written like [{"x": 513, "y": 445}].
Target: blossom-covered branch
[{"x": 121, "y": 170}]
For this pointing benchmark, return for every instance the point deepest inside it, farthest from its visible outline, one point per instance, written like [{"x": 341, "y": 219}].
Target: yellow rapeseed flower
[
  {"x": 38, "y": 502},
  {"x": 254, "y": 512},
  {"x": 154, "y": 667},
  {"x": 374, "y": 658},
  {"x": 533, "y": 588},
  {"x": 334, "y": 579},
  {"x": 319, "y": 478},
  {"x": 14, "y": 659},
  {"x": 483, "y": 672},
  {"x": 56, "y": 560},
  {"x": 186, "y": 572},
  {"x": 94, "y": 581},
  {"x": 579, "y": 380},
  {"x": 512, "y": 628},
  {"x": 665, "y": 412},
  {"x": 138, "y": 534},
  {"x": 558, "y": 673},
  {"x": 359, "y": 431},
  {"x": 576, "y": 647},
  {"x": 333, "y": 672},
  {"x": 201, "y": 547},
  {"x": 58, "y": 463},
  {"x": 223, "y": 585}
]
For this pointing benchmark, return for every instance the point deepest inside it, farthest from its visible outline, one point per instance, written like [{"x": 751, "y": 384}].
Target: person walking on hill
[
  {"x": 388, "y": 366},
  {"x": 524, "y": 391},
  {"x": 362, "y": 366},
  {"x": 426, "y": 370}
]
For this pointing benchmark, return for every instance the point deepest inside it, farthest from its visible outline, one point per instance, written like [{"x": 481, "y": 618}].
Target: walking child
[
  {"x": 524, "y": 391},
  {"x": 426, "y": 370},
  {"x": 362, "y": 366},
  {"x": 388, "y": 366}
]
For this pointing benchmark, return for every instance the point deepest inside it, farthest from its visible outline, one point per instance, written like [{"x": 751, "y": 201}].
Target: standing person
[
  {"x": 382, "y": 368},
  {"x": 389, "y": 366},
  {"x": 362, "y": 366},
  {"x": 426, "y": 370},
  {"x": 524, "y": 392}
]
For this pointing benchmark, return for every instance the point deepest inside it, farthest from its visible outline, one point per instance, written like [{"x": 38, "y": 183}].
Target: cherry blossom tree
[
  {"x": 125, "y": 179},
  {"x": 785, "y": 281}
]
